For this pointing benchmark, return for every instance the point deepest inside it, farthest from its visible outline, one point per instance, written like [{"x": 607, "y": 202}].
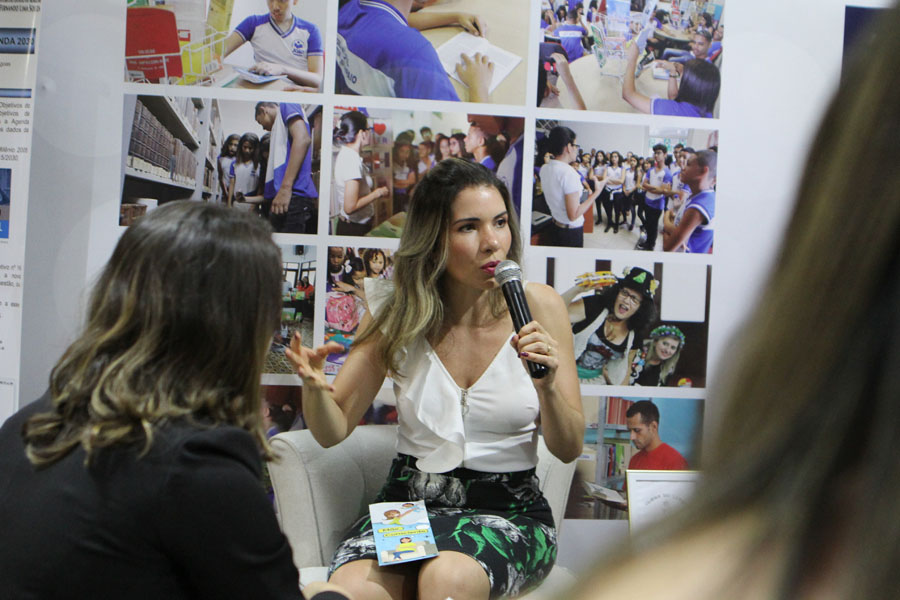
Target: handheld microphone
[{"x": 509, "y": 276}]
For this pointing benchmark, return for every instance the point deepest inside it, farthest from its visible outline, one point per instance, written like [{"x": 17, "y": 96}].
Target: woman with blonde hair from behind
[
  {"x": 138, "y": 475},
  {"x": 802, "y": 482}
]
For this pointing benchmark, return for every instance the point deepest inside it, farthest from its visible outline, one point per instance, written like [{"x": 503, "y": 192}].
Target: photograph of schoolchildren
[
  {"x": 625, "y": 433},
  {"x": 467, "y": 50},
  {"x": 633, "y": 324},
  {"x": 298, "y": 292},
  {"x": 624, "y": 187},
  {"x": 379, "y": 155},
  {"x": 345, "y": 288},
  {"x": 259, "y": 157},
  {"x": 272, "y": 45},
  {"x": 5, "y": 201},
  {"x": 643, "y": 56}
]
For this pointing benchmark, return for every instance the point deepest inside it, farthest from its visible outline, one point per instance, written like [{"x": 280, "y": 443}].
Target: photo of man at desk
[
  {"x": 638, "y": 56},
  {"x": 461, "y": 50},
  {"x": 621, "y": 433}
]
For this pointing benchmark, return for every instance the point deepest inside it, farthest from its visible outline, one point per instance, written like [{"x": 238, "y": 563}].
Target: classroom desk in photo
[
  {"x": 603, "y": 92},
  {"x": 507, "y": 28}
]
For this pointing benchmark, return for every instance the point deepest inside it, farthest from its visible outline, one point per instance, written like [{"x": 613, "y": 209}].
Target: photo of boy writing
[{"x": 442, "y": 50}]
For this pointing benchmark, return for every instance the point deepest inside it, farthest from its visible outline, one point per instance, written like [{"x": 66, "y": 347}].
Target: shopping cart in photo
[{"x": 155, "y": 54}]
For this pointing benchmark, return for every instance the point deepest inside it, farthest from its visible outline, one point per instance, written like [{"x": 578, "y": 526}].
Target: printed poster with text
[{"x": 19, "y": 23}]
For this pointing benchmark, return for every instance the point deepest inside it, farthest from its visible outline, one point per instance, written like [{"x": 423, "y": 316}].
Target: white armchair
[{"x": 319, "y": 492}]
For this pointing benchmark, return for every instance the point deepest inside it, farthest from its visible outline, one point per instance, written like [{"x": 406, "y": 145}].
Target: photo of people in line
[
  {"x": 273, "y": 45},
  {"x": 622, "y": 433},
  {"x": 452, "y": 50},
  {"x": 635, "y": 325},
  {"x": 380, "y": 155},
  {"x": 297, "y": 309},
  {"x": 661, "y": 58},
  {"x": 624, "y": 187},
  {"x": 261, "y": 157},
  {"x": 345, "y": 289}
]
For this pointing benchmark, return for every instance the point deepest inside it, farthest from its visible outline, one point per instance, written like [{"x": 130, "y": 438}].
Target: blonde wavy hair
[
  {"x": 178, "y": 327},
  {"x": 421, "y": 259}
]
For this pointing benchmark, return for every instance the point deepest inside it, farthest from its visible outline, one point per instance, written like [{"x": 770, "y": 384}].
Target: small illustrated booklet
[{"x": 402, "y": 532}]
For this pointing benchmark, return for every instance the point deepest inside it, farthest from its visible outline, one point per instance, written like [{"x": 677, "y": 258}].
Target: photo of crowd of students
[
  {"x": 623, "y": 433},
  {"x": 259, "y": 157},
  {"x": 589, "y": 196},
  {"x": 631, "y": 56},
  {"x": 298, "y": 292},
  {"x": 256, "y": 44},
  {"x": 345, "y": 289},
  {"x": 637, "y": 328},
  {"x": 439, "y": 49},
  {"x": 380, "y": 155}
]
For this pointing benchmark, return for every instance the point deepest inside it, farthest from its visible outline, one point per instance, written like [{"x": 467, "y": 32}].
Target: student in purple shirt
[
  {"x": 570, "y": 35},
  {"x": 701, "y": 47},
  {"x": 695, "y": 230},
  {"x": 695, "y": 97}
]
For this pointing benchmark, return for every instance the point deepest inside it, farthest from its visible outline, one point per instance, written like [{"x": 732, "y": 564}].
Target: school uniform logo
[{"x": 299, "y": 48}]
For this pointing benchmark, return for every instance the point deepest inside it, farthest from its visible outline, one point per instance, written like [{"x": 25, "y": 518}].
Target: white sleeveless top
[{"x": 488, "y": 427}]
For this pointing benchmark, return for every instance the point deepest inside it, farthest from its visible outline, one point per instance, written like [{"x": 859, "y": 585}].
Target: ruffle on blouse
[{"x": 430, "y": 406}]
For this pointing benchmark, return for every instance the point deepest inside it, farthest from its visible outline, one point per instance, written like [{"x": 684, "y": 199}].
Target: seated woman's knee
[{"x": 455, "y": 575}]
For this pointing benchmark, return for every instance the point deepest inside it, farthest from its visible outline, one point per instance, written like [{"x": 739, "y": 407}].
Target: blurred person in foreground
[
  {"x": 802, "y": 482},
  {"x": 137, "y": 475}
]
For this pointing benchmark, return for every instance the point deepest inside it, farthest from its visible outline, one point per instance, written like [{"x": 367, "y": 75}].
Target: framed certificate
[{"x": 654, "y": 495}]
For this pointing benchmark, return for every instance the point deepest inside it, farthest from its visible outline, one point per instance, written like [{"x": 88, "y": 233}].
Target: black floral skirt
[{"x": 499, "y": 519}]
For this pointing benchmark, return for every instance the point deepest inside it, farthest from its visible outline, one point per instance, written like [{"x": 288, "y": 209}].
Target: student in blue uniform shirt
[
  {"x": 695, "y": 97},
  {"x": 289, "y": 191},
  {"x": 282, "y": 44},
  {"x": 695, "y": 230},
  {"x": 657, "y": 183},
  {"x": 509, "y": 171},
  {"x": 570, "y": 35},
  {"x": 381, "y": 53},
  {"x": 483, "y": 146}
]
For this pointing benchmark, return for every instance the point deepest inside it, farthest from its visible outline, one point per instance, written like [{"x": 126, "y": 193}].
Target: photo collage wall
[{"x": 600, "y": 118}]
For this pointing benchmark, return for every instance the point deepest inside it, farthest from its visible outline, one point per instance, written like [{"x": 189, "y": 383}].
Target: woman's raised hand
[{"x": 309, "y": 362}]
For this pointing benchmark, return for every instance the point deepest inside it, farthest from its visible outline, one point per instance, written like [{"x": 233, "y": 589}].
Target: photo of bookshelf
[{"x": 172, "y": 144}]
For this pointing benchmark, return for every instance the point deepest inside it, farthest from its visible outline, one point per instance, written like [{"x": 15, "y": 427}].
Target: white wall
[
  {"x": 609, "y": 137},
  {"x": 445, "y": 122}
]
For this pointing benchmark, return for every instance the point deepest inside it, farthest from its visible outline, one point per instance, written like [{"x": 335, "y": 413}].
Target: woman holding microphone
[{"x": 468, "y": 410}]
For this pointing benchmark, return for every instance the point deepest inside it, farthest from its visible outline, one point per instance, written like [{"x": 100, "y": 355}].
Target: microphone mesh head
[{"x": 507, "y": 270}]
